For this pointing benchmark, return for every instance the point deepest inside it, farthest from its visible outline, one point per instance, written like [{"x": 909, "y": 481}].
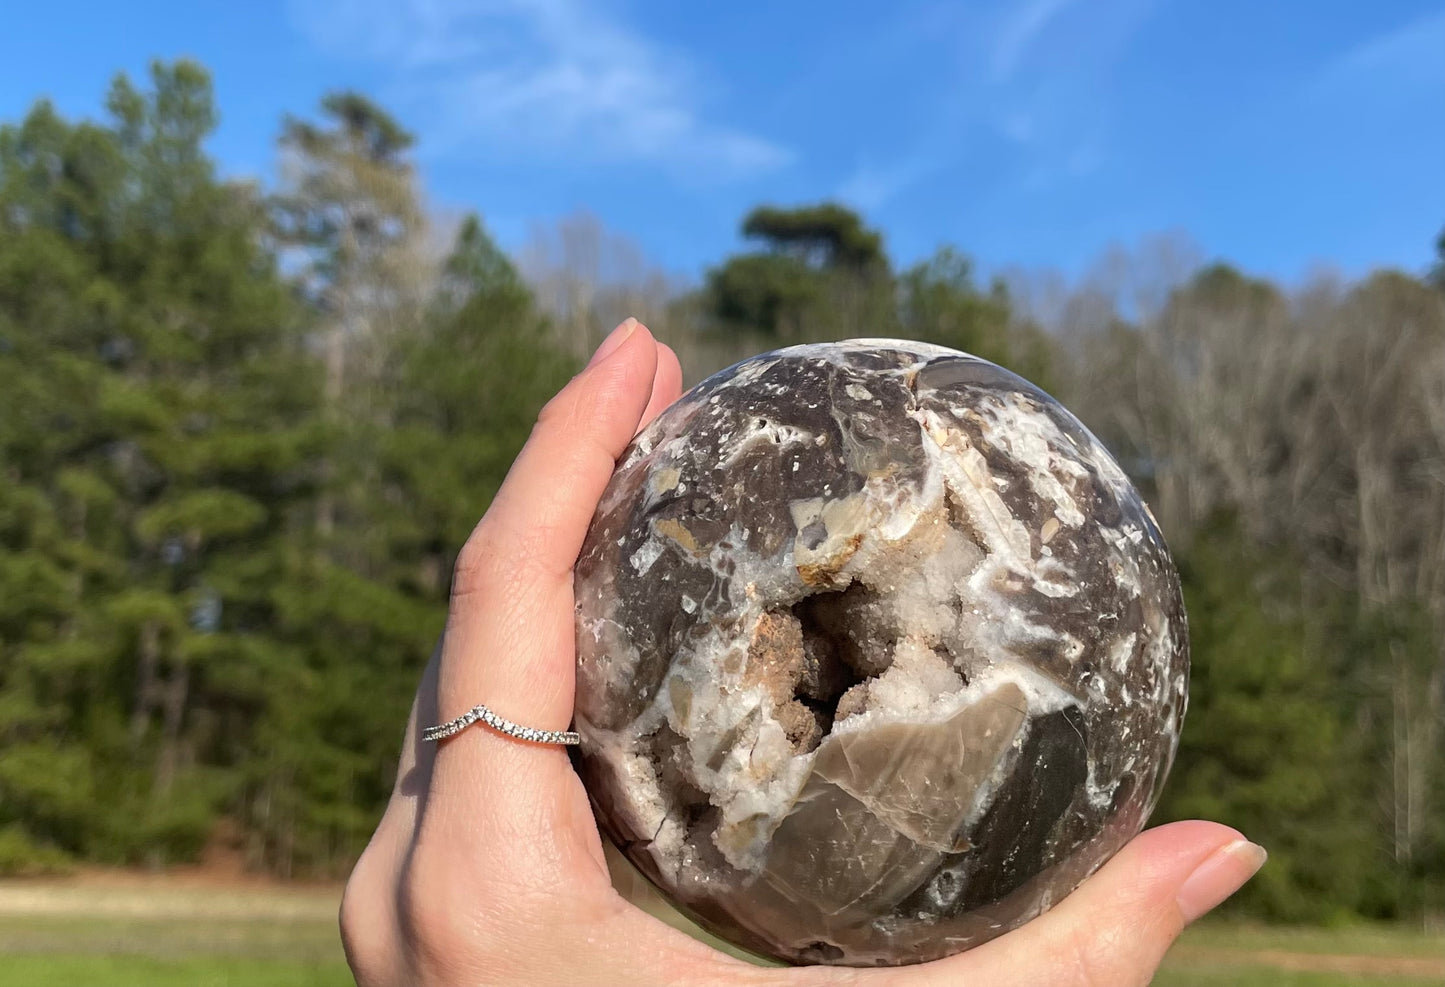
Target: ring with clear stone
[{"x": 480, "y": 714}]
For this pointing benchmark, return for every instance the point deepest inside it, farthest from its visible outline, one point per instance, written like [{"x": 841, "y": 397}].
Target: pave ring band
[{"x": 501, "y": 724}]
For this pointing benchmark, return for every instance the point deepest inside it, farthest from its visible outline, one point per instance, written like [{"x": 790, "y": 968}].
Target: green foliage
[
  {"x": 1437, "y": 273},
  {"x": 939, "y": 303},
  {"x": 821, "y": 274},
  {"x": 244, "y": 438},
  {"x": 822, "y": 236},
  {"x": 468, "y": 392},
  {"x": 179, "y": 641},
  {"x": 763, "y": 291},
  {"x": 1267, "y": 742},
  {"x": 21, "y": 856}
]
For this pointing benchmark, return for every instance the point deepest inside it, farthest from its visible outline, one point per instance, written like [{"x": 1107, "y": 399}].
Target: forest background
[{"x": 244, "y": 430}]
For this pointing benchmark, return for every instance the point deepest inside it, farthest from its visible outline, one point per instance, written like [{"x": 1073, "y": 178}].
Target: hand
[{"x": 487, "y": 867}]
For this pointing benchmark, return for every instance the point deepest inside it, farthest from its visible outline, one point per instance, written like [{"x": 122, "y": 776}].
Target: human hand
[{"x": 487, "y": 867}]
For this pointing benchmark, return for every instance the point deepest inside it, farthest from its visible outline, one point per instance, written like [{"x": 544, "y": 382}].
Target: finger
[
  {"x": 509, "y": 632},
  {"x": 666, "y": 384},
  {"x": 510, "y": 641},
  {"x": 600, "y": 408},
  {"x": 540, "y": 515},
  {"x": 1116, "y": 927}
]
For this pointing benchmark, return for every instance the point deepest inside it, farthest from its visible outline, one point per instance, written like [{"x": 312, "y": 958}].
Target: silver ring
[{"x": 480, "y": 714}]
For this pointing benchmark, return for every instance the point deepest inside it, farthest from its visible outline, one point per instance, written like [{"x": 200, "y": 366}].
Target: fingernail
[
  {"x": 614, "y": 339},
  {"x": 1224, "y": 872}
]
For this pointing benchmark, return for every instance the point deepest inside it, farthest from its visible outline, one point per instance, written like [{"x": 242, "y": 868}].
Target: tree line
[{"x": 244, "y": 431}]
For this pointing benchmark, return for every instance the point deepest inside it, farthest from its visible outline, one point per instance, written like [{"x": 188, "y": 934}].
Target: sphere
[{"x": 880, "y": 653}]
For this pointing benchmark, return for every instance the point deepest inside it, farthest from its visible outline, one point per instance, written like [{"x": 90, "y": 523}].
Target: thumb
[{"x": 1117, "y": 926}]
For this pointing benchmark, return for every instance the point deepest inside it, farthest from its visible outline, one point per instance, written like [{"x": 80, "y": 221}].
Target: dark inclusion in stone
[{"x": 880, "y": 653}]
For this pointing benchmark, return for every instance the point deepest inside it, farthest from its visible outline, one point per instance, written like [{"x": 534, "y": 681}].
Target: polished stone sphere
[{"x": 880, "y": 653}]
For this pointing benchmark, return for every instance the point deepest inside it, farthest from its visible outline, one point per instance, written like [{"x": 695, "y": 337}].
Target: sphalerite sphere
[{"x": 880, "y": 653}]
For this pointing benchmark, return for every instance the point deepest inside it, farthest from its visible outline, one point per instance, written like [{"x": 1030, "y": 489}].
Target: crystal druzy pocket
[{"x": 880, "y": 653}]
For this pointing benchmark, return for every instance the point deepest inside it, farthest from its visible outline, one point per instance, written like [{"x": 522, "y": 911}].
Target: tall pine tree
[{"x": 168, "y": 419}]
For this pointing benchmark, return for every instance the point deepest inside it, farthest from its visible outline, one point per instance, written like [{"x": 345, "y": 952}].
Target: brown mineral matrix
[{"x": 879, "y": 653}]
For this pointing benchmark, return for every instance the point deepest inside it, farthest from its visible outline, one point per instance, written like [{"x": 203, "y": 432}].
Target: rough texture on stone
[{"x": 879, "y": 653}]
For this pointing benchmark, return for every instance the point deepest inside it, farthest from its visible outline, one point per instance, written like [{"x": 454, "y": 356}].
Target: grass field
[
  {"x": 165, "y": 934},
  {"x": 1219, "y": 954}
]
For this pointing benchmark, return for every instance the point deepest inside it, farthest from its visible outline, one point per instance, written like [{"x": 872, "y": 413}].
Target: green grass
[
  {"x": 146, "y": 971},
  {"x": 38, "y": 951},
  {"x": 306, "y": 941},
  {"x": 1355, "y": 940},
  {"x": 1209, "y": 955},
  {"x": 291, "y": 941},
  {"x": 1256, "y": 976}
]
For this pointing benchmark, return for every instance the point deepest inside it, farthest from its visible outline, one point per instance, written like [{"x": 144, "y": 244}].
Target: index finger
[{"x": 509, "y": 642}]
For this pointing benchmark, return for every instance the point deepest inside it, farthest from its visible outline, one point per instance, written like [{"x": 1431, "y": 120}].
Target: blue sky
[{"x": 1281, "y": 135}]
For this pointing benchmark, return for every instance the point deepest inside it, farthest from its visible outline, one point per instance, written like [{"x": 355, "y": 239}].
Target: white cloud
[
  {"x": 1018, "y": 31},
  {"x": 1085, "y": 159},
  {"x": 1066, "y": 165},
  {"x": 527, "y": 78},
  {"x": 1018, "y": 126},
  {"x": 1047, "y": 74},
  {"x": 1020, "y": 78},
  {"x": 872, "y": 186},
  {"x": 1411, "y": 56}
]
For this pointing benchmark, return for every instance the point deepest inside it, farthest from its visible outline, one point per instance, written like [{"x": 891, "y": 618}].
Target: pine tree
[
  {"x": 167, "y": 424},
  {"x": 470, "y": 387},
  {"x": 1266, "y": 745}
]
